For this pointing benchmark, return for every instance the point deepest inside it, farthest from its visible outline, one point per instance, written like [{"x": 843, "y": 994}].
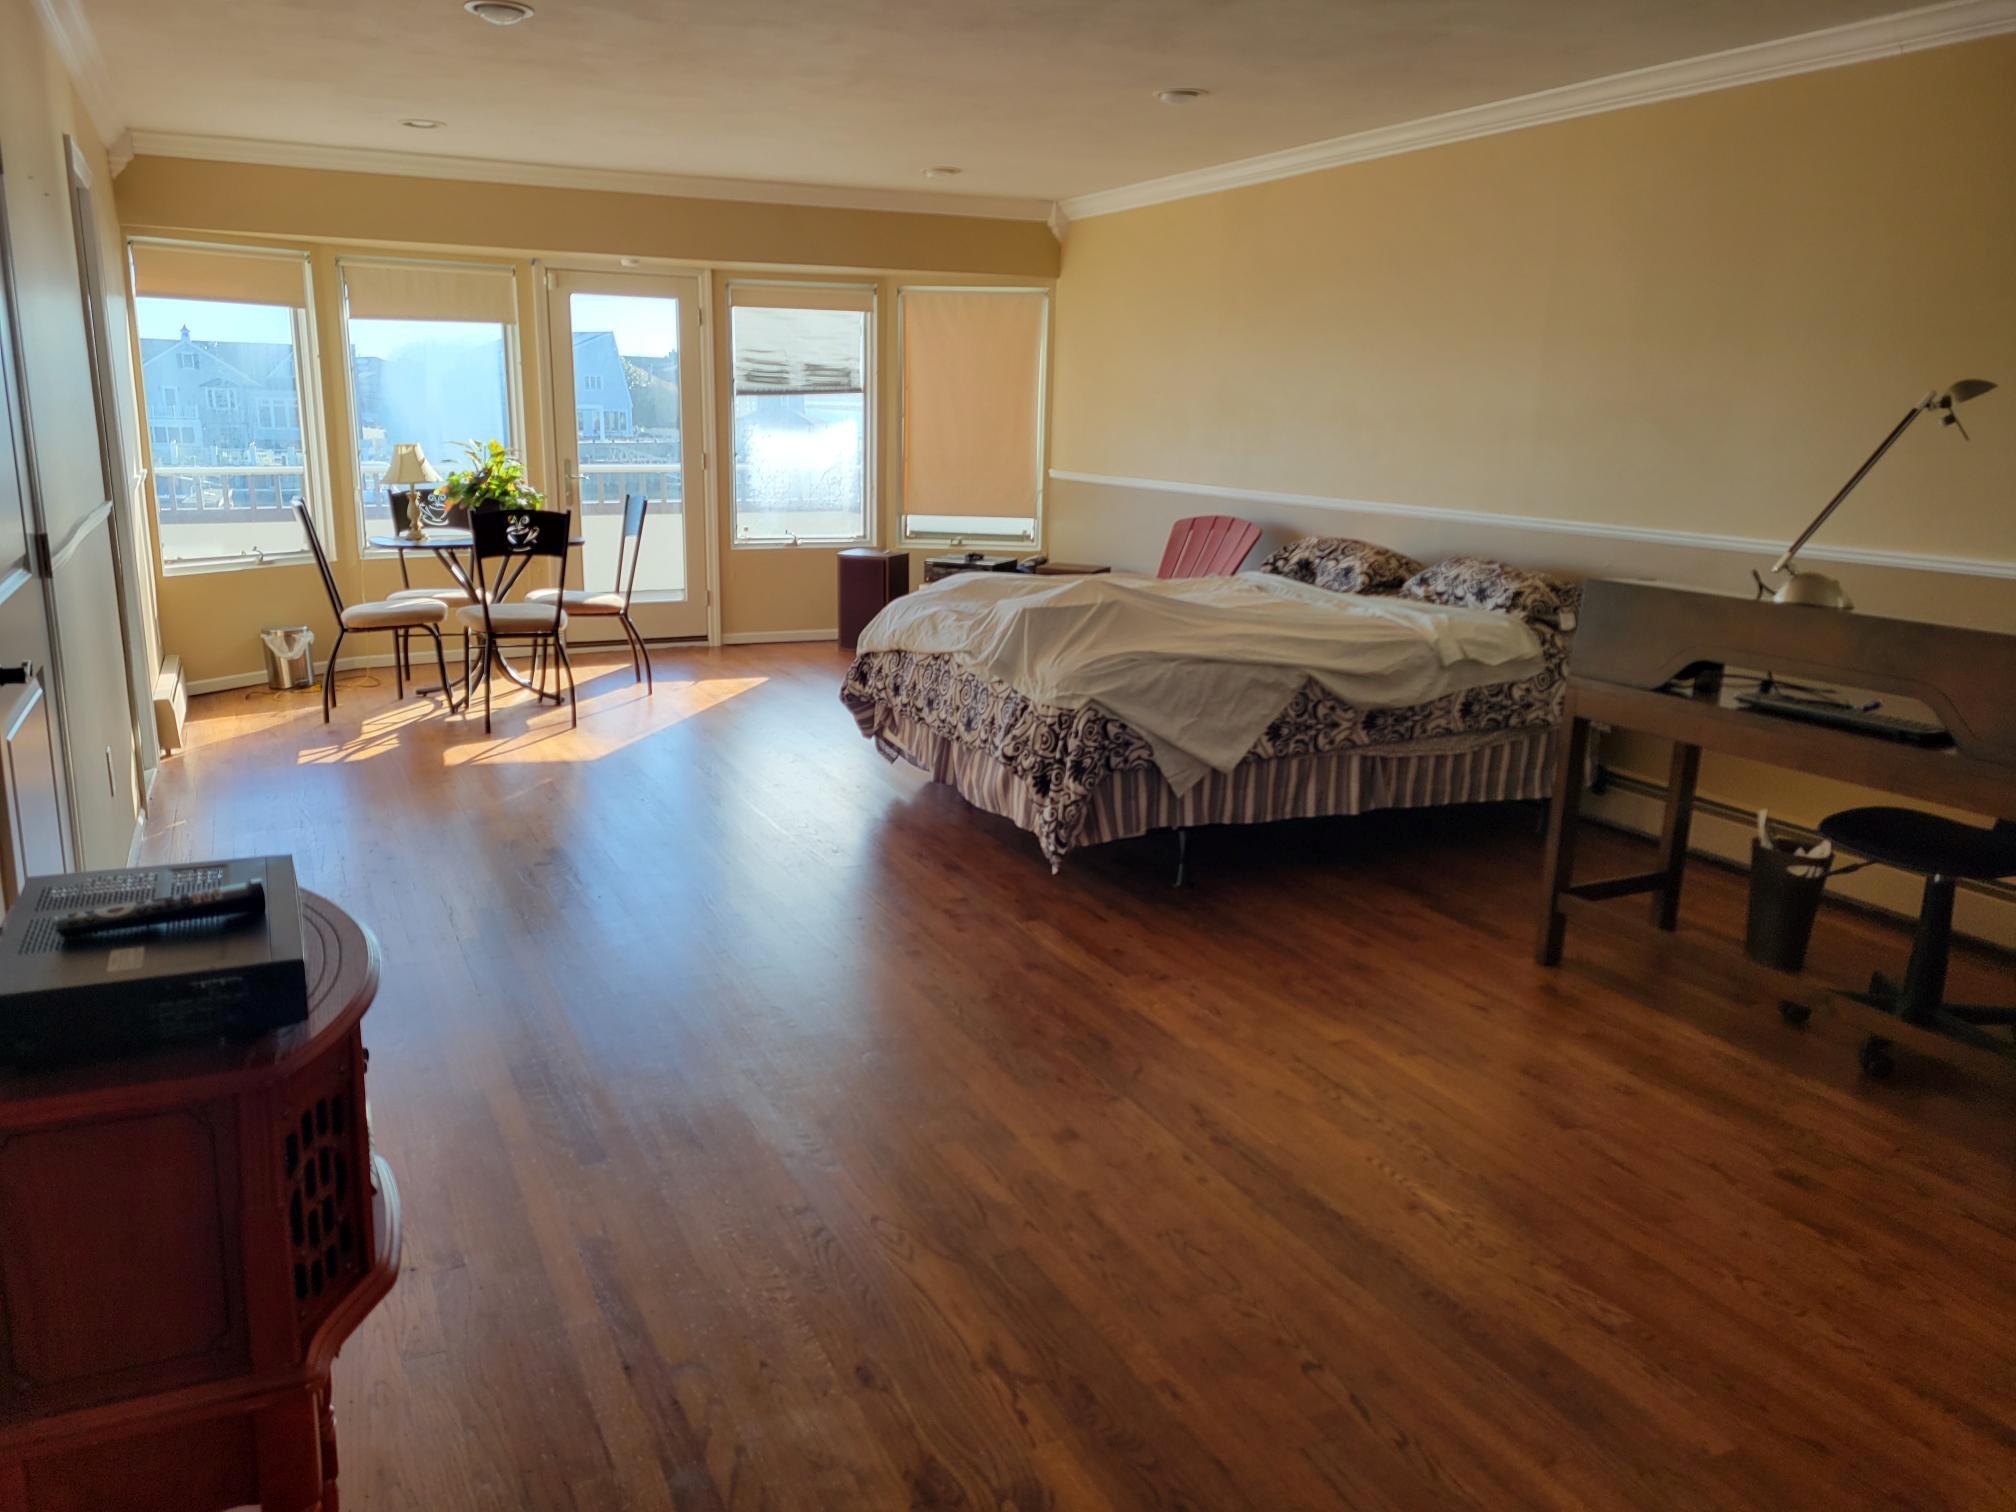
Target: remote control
[{"x": 243, "y": 900}]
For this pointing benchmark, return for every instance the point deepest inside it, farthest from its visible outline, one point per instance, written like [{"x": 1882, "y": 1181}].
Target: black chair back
[
  {"x": 630, "y": 549},
  {"x": 513, "y": 539},
  {"x": 300, "y": 508}
]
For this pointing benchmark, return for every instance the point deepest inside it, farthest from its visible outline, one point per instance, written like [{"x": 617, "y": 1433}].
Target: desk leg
[
  {"x": 1564, "y": 816},
  {"x": 1681, "y": 778}
]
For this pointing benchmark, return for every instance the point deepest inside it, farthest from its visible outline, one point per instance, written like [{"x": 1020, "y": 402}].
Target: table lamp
[
  {"x": 1818, "y": 590},
  {"x": 409, "y": 468}
]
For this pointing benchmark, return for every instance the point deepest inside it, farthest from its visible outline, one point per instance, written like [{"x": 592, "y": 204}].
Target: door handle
[{"x": 23, "y": 672}]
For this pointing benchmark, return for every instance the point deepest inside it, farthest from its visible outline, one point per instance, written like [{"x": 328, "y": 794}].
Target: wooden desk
[
  {"x": 1635, "y": 639},
  {"x": 189, "y": 1238}
]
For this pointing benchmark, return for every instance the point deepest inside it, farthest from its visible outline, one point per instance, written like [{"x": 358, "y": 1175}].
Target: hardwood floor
[{"x": 775, "y": 1131}]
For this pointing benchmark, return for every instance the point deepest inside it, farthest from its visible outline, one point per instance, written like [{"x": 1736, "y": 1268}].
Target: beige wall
[
  {"x": 212, "y": 619},
  {"x": 38, "y": 108},
  {"x": 1694, "y": 316}
]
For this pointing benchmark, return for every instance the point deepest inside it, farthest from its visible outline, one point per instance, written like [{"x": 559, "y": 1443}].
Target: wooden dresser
[{"x": 186, "y": 1239}]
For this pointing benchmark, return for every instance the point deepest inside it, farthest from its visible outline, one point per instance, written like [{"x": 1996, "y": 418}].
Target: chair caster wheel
[
  {"x": 1875, "y": 1058},
  {"x": 1795, "y": 1014}
]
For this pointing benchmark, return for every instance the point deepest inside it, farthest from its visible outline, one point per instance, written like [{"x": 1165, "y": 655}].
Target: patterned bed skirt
[{"x": 1493, "y": 766}]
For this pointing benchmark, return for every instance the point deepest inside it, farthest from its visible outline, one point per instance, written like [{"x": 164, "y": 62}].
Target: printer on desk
[{"x": 147, "y": 975}]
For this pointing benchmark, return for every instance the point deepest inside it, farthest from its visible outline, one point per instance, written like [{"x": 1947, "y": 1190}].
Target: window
[
  {"x": 973, "y": 413},
  {"x": 223, "y": 486},
  {"x": 591, "y": 380},
  {"x": 432, "y": 360},
  {"x": 801, "y": 362}
]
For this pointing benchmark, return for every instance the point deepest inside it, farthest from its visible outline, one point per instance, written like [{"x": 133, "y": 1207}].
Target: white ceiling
[{"x": 1044, "y": 99}]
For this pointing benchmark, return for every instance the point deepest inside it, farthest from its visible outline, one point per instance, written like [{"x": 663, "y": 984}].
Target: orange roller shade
[{"x": 972, "y": 396}]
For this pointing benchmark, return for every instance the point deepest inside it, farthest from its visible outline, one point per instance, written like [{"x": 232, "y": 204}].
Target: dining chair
[
  {"x": 615, "y": 604},
  {"x": 1207, "y": 546},
  {"x": 503, "y": 544},
  {"x": 399, "y": 618}
]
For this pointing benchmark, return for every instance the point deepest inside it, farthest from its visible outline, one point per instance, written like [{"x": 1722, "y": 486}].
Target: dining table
[{"x": 454, "y": 549}]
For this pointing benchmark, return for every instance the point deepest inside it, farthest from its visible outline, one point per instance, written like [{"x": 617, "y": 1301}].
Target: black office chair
[
  {"x": 504, "y": 543},
  {"x": 1943, "y": 851}
]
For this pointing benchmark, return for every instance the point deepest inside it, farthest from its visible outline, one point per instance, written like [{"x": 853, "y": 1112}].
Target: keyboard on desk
[{"x": 1842, "y": 716}]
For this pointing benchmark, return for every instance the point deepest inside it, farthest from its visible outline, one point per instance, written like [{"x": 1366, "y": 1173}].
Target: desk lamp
[
  {"x": 409, "y": 469},
  {"x": 1818, "y": 590}
]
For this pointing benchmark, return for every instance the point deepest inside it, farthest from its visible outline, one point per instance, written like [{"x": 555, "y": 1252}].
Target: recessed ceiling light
[
  {"x": 1183, "y": 96},
  {"x": 942, "y": 171},
  {"x": 498, "y": 12},
  {"x": 418, "y": 124}
]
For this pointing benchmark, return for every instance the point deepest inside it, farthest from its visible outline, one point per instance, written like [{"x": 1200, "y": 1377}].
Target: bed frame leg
[{"x": 1182, "y": 857}]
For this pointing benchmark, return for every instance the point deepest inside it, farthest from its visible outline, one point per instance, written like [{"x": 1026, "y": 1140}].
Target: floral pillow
[
  {"x": 1476, "y": 583},
  {"x": 1342, "y": 565}
]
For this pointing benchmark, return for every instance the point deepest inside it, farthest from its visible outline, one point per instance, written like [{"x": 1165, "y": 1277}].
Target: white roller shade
[
  {"x": 163, "y": 271},
  {"x": 429, "y": 291},
  {"x": 799, "y": 351},
  {"x": 972, "y": 401}
]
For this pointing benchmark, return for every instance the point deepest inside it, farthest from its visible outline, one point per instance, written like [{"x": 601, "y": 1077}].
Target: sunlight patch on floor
[{"x": 548, "y": 737}]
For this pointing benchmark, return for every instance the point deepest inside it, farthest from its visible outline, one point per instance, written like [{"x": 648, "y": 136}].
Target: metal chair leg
[
  {"x": 329, "y": 675},
  {"x": 441, "y": 661},
  {"x": 643, "y": 657},
  {"x": 399, "y": 663},
  {"x": 573, "y": 701}
]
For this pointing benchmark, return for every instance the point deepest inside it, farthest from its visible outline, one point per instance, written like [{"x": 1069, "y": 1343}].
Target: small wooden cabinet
[{"x": 186, "y": 1239}]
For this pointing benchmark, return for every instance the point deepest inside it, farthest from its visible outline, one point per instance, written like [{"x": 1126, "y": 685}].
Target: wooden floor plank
[{"x": 777, "y": 1132}]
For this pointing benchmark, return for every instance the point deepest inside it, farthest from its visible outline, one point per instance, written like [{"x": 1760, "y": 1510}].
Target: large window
[
  {"x": 801, "y": 357},
  {"x": 432, "y": 360},
  {"x": 222, "y": 335},
  {"x": 973, "y": 413}
]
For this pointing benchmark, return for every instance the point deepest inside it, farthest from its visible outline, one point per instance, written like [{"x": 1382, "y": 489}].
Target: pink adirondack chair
[{"x": 1207, "y": 546}]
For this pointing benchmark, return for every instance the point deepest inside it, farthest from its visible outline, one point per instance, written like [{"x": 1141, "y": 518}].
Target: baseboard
[
  {"x": 775, "y": 637},
  {"x": 1985, "y": 912},
  {"x": 258, "y": 679}
]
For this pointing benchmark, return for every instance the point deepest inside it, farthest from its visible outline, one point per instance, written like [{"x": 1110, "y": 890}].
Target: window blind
[
  {"x": 163, "y": 271},
  {"x": 972, "y": 401},
  {"x": 430, "y": 291},
  {"x": 799, "y": 340}
]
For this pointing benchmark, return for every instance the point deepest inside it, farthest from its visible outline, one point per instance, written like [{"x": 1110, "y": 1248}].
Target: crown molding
[
  {"x": 77, "y": 45},
  {"x": 1858, "y": 42},
  {"x": 215, "y": 149},
  {"x": 1912, "y": 561}
]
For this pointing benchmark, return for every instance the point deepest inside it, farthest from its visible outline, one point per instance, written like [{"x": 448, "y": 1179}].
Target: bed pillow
[
  {"x": 1341, "y": 565},
  {"x": 1477, "y": 583}
]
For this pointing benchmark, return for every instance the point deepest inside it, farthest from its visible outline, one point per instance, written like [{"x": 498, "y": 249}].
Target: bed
[{"x": 1338, "y": 679}]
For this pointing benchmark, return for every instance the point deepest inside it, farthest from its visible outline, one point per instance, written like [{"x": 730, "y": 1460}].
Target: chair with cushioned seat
[
  {"x": 616, "y": 604},
  {"x": 513, "y": 539},
  {"x": 1944, "y": 852},
  {"x": 399, "y": 618}
]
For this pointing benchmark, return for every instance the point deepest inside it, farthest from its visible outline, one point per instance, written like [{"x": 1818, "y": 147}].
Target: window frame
[
  {"x": 932, "y": 540},
  {"x": 514, "y": 379},
  {"x": 871, "y": 467},
  {"x": 315, "y": 483}
]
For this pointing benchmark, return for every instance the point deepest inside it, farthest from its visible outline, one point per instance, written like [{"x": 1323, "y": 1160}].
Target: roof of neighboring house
[{"x": 259, "y": 364}]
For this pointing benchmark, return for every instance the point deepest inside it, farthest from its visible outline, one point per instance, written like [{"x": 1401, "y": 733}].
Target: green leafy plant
[{"x": 494, "y": 479}]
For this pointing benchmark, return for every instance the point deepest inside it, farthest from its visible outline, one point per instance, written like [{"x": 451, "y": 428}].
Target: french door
[{"x": 628, "y": 420}]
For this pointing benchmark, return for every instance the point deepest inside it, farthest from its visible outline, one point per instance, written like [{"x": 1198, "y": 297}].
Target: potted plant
[{"x": 494, "y": 479}]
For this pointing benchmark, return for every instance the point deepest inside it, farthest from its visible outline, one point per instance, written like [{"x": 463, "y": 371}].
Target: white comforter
[{"x": 1201, "y": 666}]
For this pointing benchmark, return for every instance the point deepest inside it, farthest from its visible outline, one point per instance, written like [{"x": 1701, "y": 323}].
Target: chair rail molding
[
  {"x": 1809, "y": 52},
  {"x": 1868, "y": 556}
]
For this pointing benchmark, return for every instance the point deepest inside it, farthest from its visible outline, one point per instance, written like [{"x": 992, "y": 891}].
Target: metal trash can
[
  {"x": 290, "y": 657},
  {"x": 1785, "y": 891}
]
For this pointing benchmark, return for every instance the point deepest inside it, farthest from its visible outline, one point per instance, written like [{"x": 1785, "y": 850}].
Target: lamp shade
[{"x": 409, "y": 465}]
